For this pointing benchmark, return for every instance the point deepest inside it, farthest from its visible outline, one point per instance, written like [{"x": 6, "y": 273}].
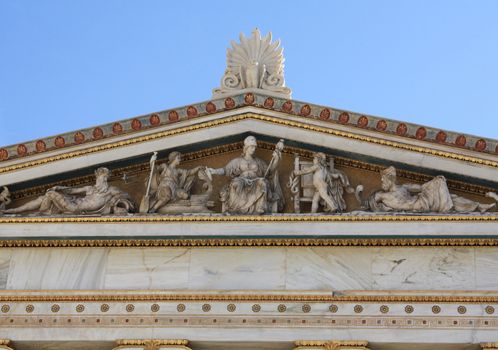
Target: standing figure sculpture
[
  {"x": 432, "y": 196},
  {"x": 254, "y": 187},
  {"x": 169, "y": 184},
  {"x": 329, "y": 184},
  {"x": 100, "y": 198},
  {"x": 4, "y": 198}
]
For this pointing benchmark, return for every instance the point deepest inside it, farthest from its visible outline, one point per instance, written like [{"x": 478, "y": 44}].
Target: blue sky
[{"x": 66, "y": 65}]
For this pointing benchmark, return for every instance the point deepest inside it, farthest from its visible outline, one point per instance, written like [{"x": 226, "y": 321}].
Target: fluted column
[
  {"x": 330, "y": 345},
  {"x": 489, "y": 346},
  {"x": 4, "y": 344},
  {"x": 152, "y": 344}
]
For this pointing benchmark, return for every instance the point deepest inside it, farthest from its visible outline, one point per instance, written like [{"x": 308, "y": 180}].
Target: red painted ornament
[
  {"x": 191, "y": 112},
  {"x": 421, "y": 133},
  {"x": 287, "y": 106},
  {"x": 154, "y": 119},
  {"x": 79, "y": 137},
  {"x": 97, "y": 133},
  {"x": 59, "y": 141},
  {"x": 401, "y": 129},
  {"x": 249, "y": 98},
  {"x": 344, "y": 118},
  {"x": 22, "y": 150},
  {"x": 117, "y": 128},
  {"x": 229, "y": 102},
  {"x": 362, "y": 121},
  {"x": 136, "y": 124},
  {"x": 269, "y": 102},
  {"x": 480, "y": 145},
  {"x": 40, "y": 146},
  {"x": 210, "y": 107},
  {"x": 325, "y": 114}
]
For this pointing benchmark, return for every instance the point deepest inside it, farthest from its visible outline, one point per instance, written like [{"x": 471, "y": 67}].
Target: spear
[{"x": 145, "y": 203}]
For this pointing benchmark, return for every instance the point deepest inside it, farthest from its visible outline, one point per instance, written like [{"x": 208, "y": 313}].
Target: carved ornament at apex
[{"x": 254, "y": 64}]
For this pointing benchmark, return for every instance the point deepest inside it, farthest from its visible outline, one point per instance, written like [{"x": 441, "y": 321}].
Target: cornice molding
[
  {"x": 58, "y": 296},
  {"x": 251, "y": 242},
  {"x": 253, "y": 116}
]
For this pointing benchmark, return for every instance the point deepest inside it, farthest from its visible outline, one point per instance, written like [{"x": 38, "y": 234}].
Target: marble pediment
[{"x": 211, "y": 134}]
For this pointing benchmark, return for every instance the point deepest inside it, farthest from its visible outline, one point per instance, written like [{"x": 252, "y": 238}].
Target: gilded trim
[
  {"x": 244, "y": 218},
  {"x": 251, "y": 242},
  {"x": 321, "y": 343},
  {"x": 315, "y": 298},
  {"x": 154, "y": 342},
  {"x": 236, "y": 118}
]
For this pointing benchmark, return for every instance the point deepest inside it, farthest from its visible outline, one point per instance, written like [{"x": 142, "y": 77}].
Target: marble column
[
  {"x": 4, "y": 344},
  {"x": 489, "y": 346},
  {"x": 330, "y": 345},
  {"x": 152, "y": 344}
]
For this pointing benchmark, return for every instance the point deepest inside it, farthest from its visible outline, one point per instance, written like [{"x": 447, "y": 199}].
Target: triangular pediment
[{"x": 213, "y": 139}]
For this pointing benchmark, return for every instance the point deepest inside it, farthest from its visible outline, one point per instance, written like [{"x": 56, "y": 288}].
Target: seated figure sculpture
[
  {"x": 254, "y": 187},
  {"x": 100, "y": 198},
  {"x": 430, "y": 197},
  {"x": 170, "y": 187}
]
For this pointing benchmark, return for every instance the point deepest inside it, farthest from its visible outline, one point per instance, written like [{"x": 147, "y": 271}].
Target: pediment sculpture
[
  {"x": 254, "y": 187},
  {"x": 247, "y": 185},
  {"x": 430, "y": 197},
  {"x": 100, "y": 198},
  {"x": 320, "y": 184},
  {"x": 255, "y": 63},
  {"x": 4, "y": 198},
  {"x": 169, "y": 188}
]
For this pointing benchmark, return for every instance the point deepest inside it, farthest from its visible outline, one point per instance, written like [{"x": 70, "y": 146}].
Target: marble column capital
[
  {"x": 152, "y": 344},
  {"x": 330, "y": 345},
  {"x": 489, "y": 346}
]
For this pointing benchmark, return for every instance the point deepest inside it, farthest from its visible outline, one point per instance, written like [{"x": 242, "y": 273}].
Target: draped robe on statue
[{"x": 249, "y": 192}]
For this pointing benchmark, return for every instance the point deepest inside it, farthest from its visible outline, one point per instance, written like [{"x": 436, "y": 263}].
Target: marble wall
[{"x": 275, "y": 268}]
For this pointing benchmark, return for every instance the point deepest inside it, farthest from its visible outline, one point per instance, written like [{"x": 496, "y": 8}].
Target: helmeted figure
[{"x": 254, "y": 187}]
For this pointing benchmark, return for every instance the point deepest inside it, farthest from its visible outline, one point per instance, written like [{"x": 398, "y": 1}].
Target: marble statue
[
  {"x": 432, "y": 196},
  {"x": 329, "y": 184},
  {"x": 255, "y": 63},
  {"x": 100, "y": 198},
  {"x": 170, "y": 188},
  {"x": 254, "y": 187},
  {"x": 4, "y": 198}
]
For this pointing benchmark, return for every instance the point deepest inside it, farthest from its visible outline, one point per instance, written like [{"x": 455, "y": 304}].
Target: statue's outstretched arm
[
  {"x": 219, "y": 171},
  {"x": 309, "y": 170}
]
